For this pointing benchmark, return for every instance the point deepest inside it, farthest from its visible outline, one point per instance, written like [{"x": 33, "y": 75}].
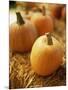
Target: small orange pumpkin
[
  {"x": 22, "y": 35},
  {"x": 46, "y": 55},
  {"x": 43, "y": 23}
]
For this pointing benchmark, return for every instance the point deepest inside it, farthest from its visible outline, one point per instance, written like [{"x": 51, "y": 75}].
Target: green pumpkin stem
[
  {"x": 20, "y": 20},
  {"x": 49, "y": 39}
]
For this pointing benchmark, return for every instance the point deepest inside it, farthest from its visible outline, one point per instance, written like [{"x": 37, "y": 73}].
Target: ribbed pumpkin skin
[
  {"x": 45, "y": 59},
  {"x": 22, "y": 37}
]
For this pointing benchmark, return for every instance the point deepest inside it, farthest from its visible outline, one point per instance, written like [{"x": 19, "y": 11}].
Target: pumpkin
[
  {"x": 63, "y": 13},
  {"x": 26, "y": 4},
  {"x": 42, "y": 22},
  {"x": 56, "y": 10},
  {"x": 46, "y": 55},
  {"x": 22, "y": 35}
]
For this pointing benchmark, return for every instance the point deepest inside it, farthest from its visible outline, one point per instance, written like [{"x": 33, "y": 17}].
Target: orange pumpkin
[
  {"x": 56, "y": 10},
  {"x": 22, "y": 35},
  {"x": 63, "y": 13},
  {"x": 46, "y": 55},
  {"x": 43, "y": 23}
]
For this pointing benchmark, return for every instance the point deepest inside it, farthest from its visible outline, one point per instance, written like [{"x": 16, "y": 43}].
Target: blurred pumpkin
[
  {"x": 56, "y": 10},
  {"x": 46, "y": 55},
  {"x": 43, "y": 23},
  {"x": 63, "y": 13},
  {"x": 22, "y": 35},
  {"x": 36, "y": 9},
  {"x": 26, "y": 4}
]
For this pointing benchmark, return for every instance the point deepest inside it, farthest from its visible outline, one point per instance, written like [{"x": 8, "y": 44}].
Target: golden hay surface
[{"x": 22, "y": 76}]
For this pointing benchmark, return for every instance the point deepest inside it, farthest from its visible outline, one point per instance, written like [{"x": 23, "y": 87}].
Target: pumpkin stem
[
  {"x": 43, "y": 10},
  {"x": 20, "y": 20},
  {"x": 49, "y": 39}
]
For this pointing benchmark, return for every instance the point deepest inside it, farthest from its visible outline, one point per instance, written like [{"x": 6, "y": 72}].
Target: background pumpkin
[
  {"x": 63, "y": 13},
  {"x": 27, "y": 6},
  {"x": 43, "y": 23},
  {"x": 46, "y": 55},
  {"x": 56, "y": 10},
  {"x": 22, "y": 35}
]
